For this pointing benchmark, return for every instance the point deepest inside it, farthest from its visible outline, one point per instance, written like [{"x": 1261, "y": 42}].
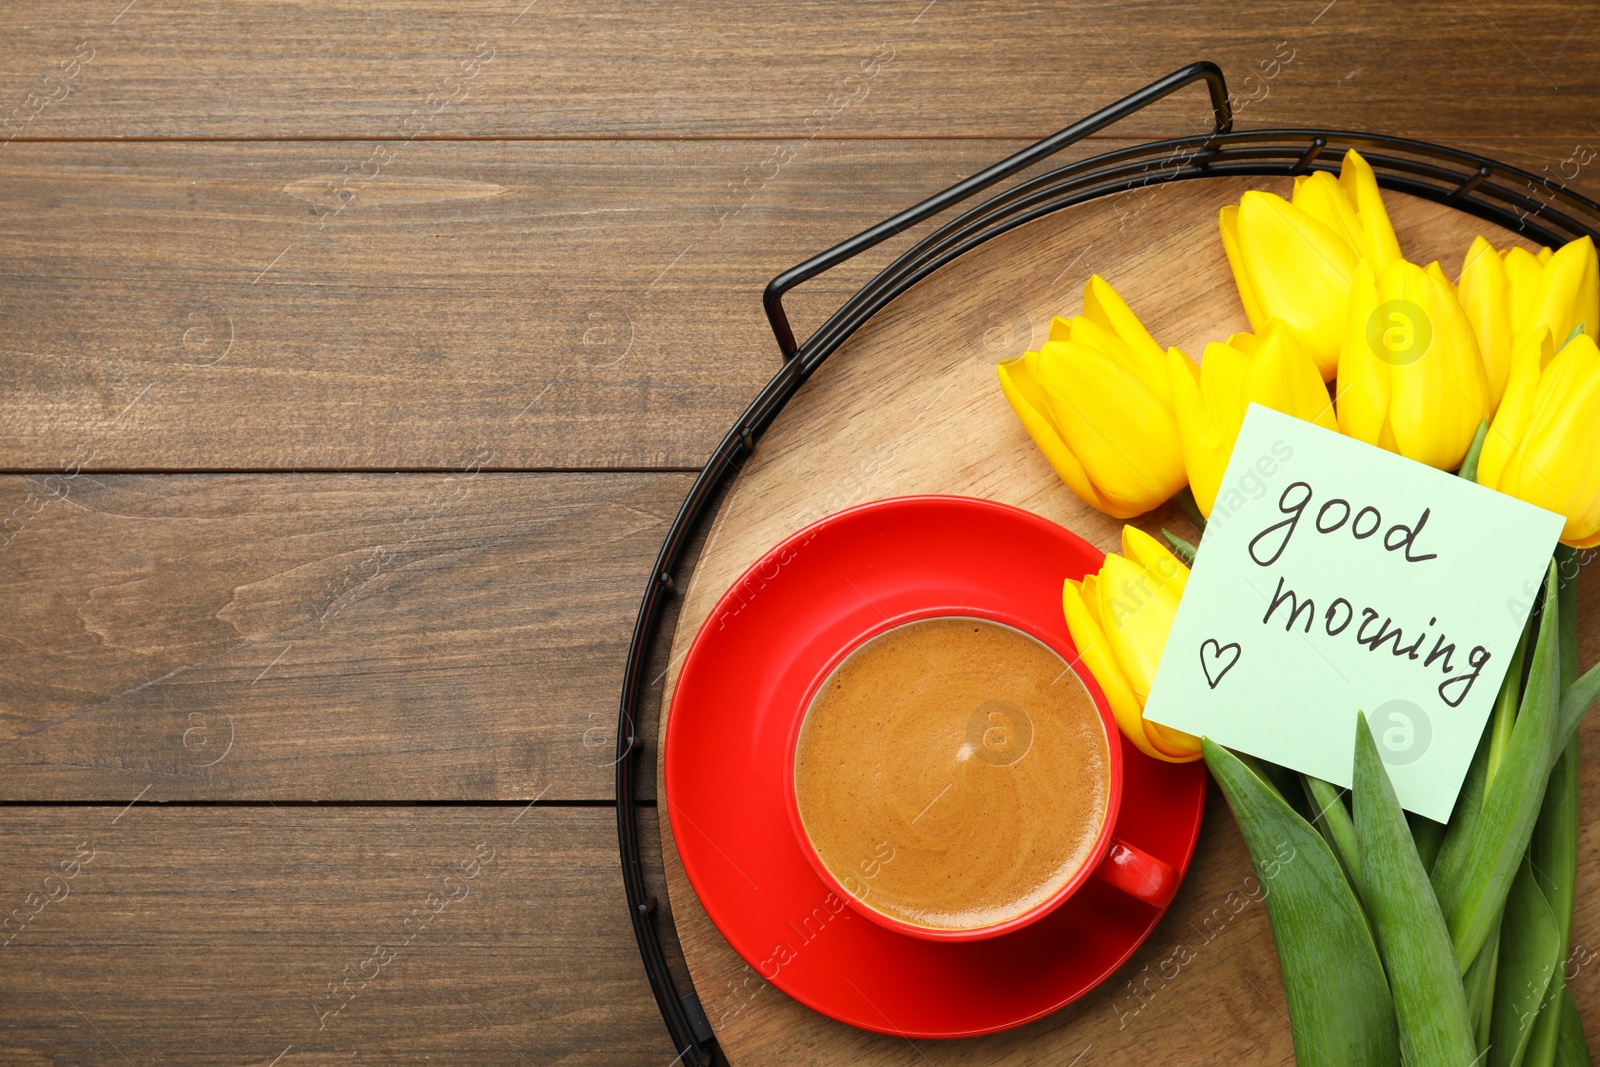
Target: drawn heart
[{"x": 1218, "y": 659}]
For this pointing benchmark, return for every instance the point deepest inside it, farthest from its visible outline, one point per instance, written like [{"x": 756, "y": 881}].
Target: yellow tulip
[
  {"x": 1513, "y": 294},
  {"x": 1485, "y": 298},
  {"x": 1295, "y": 260},
  {"x": 1353, "y": 205},
  {"x": 1096, "y": 400},
  {"x": 1411, "y": 379},
  {"x": 1120, "y": 619},
  {"x": 1541, "y": 447},
  {"x": 1272, "y": 369}
]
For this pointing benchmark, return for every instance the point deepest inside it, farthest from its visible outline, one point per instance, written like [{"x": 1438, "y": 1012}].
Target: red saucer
[{"x": 737, "y": 699}]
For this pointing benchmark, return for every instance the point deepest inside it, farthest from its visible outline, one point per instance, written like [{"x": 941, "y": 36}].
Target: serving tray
[{"x": 897, "y": 395}]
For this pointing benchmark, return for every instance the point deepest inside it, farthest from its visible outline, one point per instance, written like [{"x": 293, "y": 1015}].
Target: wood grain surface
[
  {"x": 303, "y": 637},
  {"x": 310, "y": 313},
  {"x": 908, "y": 405},
  {"x": 198, "y": 935},
  {"x": 550, "y": 305},
  {"x": 698, "y": 68},
  {"x": 586, "y": 305}
]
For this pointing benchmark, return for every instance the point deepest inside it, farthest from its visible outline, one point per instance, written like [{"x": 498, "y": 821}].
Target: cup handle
[{"x": 1139, "y": 874}]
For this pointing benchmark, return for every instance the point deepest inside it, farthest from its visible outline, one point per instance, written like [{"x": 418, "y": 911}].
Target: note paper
[{"x": 1335, "y": 577}]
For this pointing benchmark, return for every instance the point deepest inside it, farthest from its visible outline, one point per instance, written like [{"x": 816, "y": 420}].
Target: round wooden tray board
[{"x": 910, "y": 404}]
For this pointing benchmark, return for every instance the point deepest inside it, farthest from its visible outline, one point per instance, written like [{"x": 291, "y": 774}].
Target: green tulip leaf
[
  {"x": 1330, "y": 816},
  {"x": 1573, "y": 1051},
  {"x": 1428, "y": 835},
  {"x": 1576, "y": 701},
  {"x": 1553, "y": 852},
  {"x": 1577, "y": 694},
  {"x": 1413, "y": 941},
  {"x": 1340, "y": 1010},
  {"x": 1530, "y": 949},
  {"x": 1553, "y": 856},
  {"x": 1482, "y": 850},
  {"x": 1478, "y": 983}
]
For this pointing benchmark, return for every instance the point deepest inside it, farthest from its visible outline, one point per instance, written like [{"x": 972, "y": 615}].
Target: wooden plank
[
  {"x": 320, "y": 637},
  {"x": 497, "y": 68},
  {"x": 212, "y": 935},
  {"x": 561, "y": 305},
  {"x": 910, "y": 405},
  {"x": 566, "y": 305}
]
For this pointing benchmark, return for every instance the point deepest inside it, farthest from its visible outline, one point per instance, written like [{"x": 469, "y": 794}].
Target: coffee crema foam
[{"x": 953, "y": 773}]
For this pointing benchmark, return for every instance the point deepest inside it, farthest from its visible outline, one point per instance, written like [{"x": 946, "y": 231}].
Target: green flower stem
[
  {"x": 1191, "y": 510},
  {"x": 1567, "y": 563},
  {"x": 1180, "y": 548},
  {"x": 1469, "y": 465},
  {"x": 1429, "y": 836}
]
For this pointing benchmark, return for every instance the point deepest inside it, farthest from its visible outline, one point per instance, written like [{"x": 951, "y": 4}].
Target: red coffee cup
[{"x": 1115, "y": 862}]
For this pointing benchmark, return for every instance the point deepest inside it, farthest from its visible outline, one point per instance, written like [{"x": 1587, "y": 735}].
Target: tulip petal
[
  {"x": 1320, "y": 196},
  {"x": 1483, "y": 295},
  {"x": 1511, "y": 421},
  {"x": 1228, "y": 223},
  {"x": 1027, "y": 400},
  {"x": 1097, "y": 656},
  {"x": 1557, "y": 468},
  {"x": 1377, "y": 241},
  {"x": 1224, "y": 373},
  {"x": 1121, "y": 616},
  {"x": 1439, "y": 400},
  {"x": 1087, "y": 332},
  {"x": 1524, "y": 272},
  {"x": 1175, "y": 745},
  {"x": 1247, "y": 343},
  {"x": 1122, "y": 433},
  {"x": 1137, "y": 609},
  {"x": 1284, "y": 377},
  {"x": 1157, "y": 558},
  {"x": 1196, "y": 434},
  {"x": 1568, "y": 294},
  {"x": 1300, "y": 269},
  {"x": 1363, "y": 383},
  {"x": 1104, "y": 305}
]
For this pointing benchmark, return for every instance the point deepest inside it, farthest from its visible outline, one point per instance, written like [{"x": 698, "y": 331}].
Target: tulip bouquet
[{"x": 1401, "y": 940}]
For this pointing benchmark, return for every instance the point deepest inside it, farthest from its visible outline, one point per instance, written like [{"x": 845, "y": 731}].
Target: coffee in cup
[{"x": 954, "y": 774}]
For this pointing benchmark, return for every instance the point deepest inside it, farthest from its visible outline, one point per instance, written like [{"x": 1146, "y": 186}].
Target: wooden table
[{"x": 355, "y": 360}]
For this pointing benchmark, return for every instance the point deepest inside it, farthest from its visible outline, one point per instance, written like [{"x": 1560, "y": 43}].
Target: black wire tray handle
[
  {"x": 1535, "y": 207},
  {"x": 1222, "y": 117}
]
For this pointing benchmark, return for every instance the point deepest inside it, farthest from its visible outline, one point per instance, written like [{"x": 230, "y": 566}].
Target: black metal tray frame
[{"x": 1538, "y": 208}]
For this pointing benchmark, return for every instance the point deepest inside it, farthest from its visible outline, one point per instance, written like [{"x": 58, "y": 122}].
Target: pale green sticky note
[{"x": 1336, "y": 577}]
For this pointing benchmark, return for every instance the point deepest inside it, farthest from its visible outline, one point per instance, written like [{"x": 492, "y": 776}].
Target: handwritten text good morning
[{"x": 1351, "y": 579}]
